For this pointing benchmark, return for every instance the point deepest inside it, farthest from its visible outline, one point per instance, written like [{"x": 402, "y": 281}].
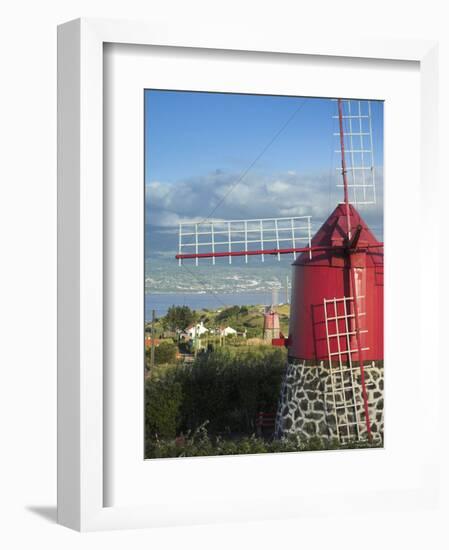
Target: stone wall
[{"x": 306, "y": 405}]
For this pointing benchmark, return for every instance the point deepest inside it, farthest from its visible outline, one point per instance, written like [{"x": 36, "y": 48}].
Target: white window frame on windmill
[
  {"x": 360, "y": 162},
  {"x": 253, "y": 237}
]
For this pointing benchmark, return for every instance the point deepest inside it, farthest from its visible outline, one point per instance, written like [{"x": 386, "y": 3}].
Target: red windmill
[{"x": 337, "y": 294}]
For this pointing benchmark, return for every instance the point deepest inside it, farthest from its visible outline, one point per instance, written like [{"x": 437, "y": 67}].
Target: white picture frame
[{"x": 81, "y": 386}]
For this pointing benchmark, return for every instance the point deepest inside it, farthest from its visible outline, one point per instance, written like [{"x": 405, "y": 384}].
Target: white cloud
[
  {"x": 222, "y": 196},
  {"x": 278, "y": 186}
]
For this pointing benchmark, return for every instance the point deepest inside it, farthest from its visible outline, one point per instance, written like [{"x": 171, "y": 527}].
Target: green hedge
[
  {"x": 225, "y": 388},
  {"x": 200, "y": 443},
  {"x": 163, "y": 398}
]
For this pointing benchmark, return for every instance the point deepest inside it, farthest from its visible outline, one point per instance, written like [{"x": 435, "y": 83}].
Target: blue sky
[
  {"x": 197, "y": 145},
  {"x": 191, "y": 133}
]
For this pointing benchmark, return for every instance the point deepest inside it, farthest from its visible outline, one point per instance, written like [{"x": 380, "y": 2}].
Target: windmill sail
[
  {"x": 353, "y": 328},
  {"x": 358, "y": 147},
  {"x": 345, "y": 400},
  {"x": 244, "y": 238}
]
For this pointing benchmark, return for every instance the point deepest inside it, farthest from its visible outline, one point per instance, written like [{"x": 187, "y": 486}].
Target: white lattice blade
[
  {"x": 341, "y": 347},
  {"x": 359, "y": 154},
  {"x": 230, "y": 238}
]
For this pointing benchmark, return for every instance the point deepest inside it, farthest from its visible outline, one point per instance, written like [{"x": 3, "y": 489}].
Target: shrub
[
  {"x": 165, "y": 353},
  {"x": 178, "y": 317},
  {"x": 163, "y": 398}
]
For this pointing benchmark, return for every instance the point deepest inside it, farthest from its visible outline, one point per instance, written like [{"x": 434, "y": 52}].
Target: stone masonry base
[{"x": 307, "y": 409}]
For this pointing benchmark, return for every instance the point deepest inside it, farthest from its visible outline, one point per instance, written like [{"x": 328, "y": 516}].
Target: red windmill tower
[{"x": 336, "y": 325}]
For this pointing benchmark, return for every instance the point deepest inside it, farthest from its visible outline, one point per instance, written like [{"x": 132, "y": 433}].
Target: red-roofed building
[{"x": 157, "y": 341}]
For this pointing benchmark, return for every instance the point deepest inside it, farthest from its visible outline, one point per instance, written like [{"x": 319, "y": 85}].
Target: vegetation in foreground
[
  {"x": 200, "y": 443},
  {"x": 210, "y": 407},
  {"x": 225, "y": 388}
]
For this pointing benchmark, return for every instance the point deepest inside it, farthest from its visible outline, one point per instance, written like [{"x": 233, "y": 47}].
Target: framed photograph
[
  {"x": 230, "y": 214},
  {"x": 222, "y": 319}
]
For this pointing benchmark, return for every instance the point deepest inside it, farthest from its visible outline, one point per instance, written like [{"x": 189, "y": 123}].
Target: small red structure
[
  {"x": 265, "y": 423},
  {"x": 271, "y": 325},
  {"x": 326, "y": 275}
]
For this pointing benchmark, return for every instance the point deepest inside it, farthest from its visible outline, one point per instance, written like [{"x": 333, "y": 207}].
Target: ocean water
[{"x": 162, "y": 301}]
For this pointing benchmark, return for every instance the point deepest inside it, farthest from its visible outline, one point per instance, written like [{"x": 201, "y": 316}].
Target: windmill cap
[{"x": 333, "y": 233}]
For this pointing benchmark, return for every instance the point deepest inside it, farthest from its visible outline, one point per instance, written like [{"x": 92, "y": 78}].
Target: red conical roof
[{"x": 333, "y": 233}]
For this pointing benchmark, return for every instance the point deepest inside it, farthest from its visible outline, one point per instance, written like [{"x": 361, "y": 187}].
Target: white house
[
  {"x": 196, "y": 330},
  {"x": 227, "y": 331}
]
